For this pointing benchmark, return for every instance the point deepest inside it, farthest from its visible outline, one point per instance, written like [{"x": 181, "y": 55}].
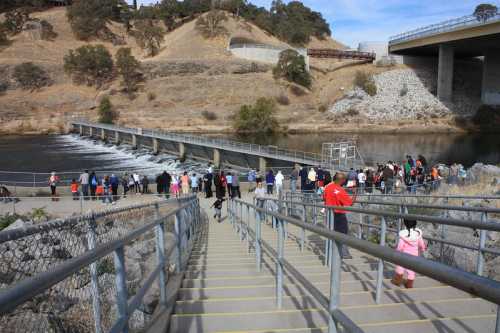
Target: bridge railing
[
  {"x": 308, "y": 158},
  {"x": 241, "y": 214},
  {"x": 94, "y": 272},
  {"x": 442, "y": 27}
]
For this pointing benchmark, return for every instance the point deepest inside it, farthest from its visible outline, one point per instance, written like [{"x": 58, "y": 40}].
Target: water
[
  {"x": 437, "y": 148},
  {"x": 71, "y": 153}
]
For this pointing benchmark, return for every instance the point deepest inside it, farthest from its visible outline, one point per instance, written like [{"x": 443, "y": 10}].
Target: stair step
[
  {"x": 256, "y": 290},
  {"x": 312, "y": 316}
]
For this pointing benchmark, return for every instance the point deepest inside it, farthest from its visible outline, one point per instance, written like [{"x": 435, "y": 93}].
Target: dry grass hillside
[{"x": 190, "y": 75}]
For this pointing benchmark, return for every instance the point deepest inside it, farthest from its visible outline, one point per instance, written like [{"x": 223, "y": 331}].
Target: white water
[{"x": 122, "y": 157}]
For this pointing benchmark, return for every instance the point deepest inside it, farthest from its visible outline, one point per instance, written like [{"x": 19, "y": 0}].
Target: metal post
[
  {"x": 81, "y": 204},
  {"x": 247, "y": 229},
  {"x": 279, "y": 266},
  {"x": 160, "y": 256},
  {"x": 94, "y": 279},
  {"x": 335, "y": 275},
  {"x": 177, "y": 231},
  {"x": 360, "y": 226},
  {"x": 402, "y": 210},
  {"x": 121, "y": 287},
  {"x": 258, "y": 254},
  {"x": 443, "y": 234},
  {"x": 303, "y": 233},
  {"x": 240, "y": 222},
  {"x": 328, "y": 242},
  {"x": 497, "y": 325},
  {"x": 482, "y": 243},
  {"x": 380, "y": 272}
]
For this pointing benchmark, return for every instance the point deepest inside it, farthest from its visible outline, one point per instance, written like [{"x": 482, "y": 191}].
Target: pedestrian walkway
[{"x": 224, "y": 292}]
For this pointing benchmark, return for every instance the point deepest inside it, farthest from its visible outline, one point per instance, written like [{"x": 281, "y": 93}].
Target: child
[
  {"x": 74, "y": 189},
  {"x": 218, "y": 209},
  {"x": 410, "y": 242}
]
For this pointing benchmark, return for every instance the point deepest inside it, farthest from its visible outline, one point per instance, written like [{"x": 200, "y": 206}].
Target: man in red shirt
[{"x": 335, "y": 195}]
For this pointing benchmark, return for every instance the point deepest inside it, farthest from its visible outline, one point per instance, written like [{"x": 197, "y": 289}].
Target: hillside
[{"x": 190, "y": 75}]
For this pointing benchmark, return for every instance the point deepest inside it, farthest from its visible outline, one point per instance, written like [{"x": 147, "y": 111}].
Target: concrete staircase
[{"x": 223, "y": 292}]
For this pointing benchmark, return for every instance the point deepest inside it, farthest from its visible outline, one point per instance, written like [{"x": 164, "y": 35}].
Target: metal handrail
[
  {"x": 25, "y": 290},
  {"x": 442, "y": 27},
  {"x": 299, "y": 156},
  {"x": 482, "y": 287}
]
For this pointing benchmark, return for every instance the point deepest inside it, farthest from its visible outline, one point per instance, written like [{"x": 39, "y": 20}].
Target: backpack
[{"x": 93, "y": 181}]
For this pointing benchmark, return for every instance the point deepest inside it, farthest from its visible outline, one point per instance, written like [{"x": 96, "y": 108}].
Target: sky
[{"x": 354, "y": 21}]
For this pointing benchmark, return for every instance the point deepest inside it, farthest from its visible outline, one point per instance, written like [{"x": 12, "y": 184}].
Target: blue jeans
[{"x": 293, "y": 185}]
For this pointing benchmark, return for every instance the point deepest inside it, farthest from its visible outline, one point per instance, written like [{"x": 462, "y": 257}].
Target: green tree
[
  {"x": 14, "y": 20},
  {"x": 88, "y": 18},
  {"x": 128, "y": 68},
  {"x": 211, "y": 25},
  {"x": 485, "y": 11},
  {"x": 292, "y": 67},
  {"x": 149, "y": 36},
  {"x": 258, "y": 118},
  {"x": 31, "y": 77},
  {"x": 107, "y": 115},
  {"x": 89, "y": 64}
]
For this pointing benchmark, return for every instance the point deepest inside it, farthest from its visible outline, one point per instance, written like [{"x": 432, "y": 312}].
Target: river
[{"x": 72, "y": 154}]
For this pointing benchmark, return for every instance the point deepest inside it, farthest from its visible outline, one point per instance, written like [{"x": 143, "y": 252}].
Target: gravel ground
[{"x": 401, "y": 94}]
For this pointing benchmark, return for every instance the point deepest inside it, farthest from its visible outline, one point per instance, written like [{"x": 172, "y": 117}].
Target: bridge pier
[
  {"x": 134, "y": 141},
  {"x": 155, "y": 146},
  {"x": 91, "y": 131},
  {"x": 262, "y": 166},
  {"x": 103, "y": 134},
  {"x": 216, "y": 160},
  {"x": 445, "y": 72},
  {"x": 117, "y": 137},
  {"x": 81, "y": 130},
  {"x": 182, "y": 150},
  {"x": 490, "y": 94}
]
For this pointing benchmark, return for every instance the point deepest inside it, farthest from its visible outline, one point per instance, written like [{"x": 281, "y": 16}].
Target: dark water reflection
[{"x": 445, "y": 148}]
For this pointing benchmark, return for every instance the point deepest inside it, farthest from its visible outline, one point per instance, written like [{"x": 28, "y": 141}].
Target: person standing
[
  {"x": 270, "y": 182},
  {"x": 279, "y": 183},
  {"x": 93, "y": 182},
  {"x": 294, "y": 176},
  {"x": 229, "y": 180},
  {"x": 361, "y": 181},
  {"x": 303, "y": 179},
  {"x": 137, "y": 182},
  {"x": 145, "y": 184},
  {"x": 335, "y": 195},
  {"x": 53, "y": 182},
  {"x": 84, "y": 182},
  {"x": 194, "y": 183},
  {"x": 74, "y": 189},
  {"x": 260, "y": 195},
  {"x": 175, "y": 185},
  {"x": 220, "y": 190},
  {"x": 166, "y": 180},
  {"x": 114, "y": 182},
  {"x": 207, "y": 185},
  {"x": 235, "y": 186},
  {"x": 124, "y": 181},
  {"x": 185, "y": 183},
  {"x": 159, "y": 184}
]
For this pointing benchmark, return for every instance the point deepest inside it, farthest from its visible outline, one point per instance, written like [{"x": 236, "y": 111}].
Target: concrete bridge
[
  {"x": 465, "y": 37},
  {"x": 217, "y": 151}
]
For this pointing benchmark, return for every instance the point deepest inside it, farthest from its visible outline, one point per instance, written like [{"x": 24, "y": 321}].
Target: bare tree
[{"x": 211, "y": 24}]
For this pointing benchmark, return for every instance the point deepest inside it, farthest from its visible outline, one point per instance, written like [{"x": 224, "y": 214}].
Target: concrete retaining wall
[{"x": 262, "y": 53}]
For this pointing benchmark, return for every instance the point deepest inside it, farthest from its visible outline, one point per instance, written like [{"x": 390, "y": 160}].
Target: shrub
[
  {"x": 366, "y": 82},
  {"x": 149, "y": 36},
  {"x": 283, "y": 99},
  {"x": 297, "y": 91},
  {"x": 485, "y": 11},
  {"x": 89, "y": 64},
  {"x": 404, "y": 91},
  {"x": 258, "y": 118},
  {"x": 352, "y": 112},
  {"x": 323, "y": 108},
  {"x": 209, "y": 115},
  {"x": 4, "y": 40},
  {"x": 7, "y": 220},
  {"x": 14, "y": 21},
  {"x": 151, "y": 96},
  {"x": 211, "y": 24},
  {"x": 3, "y": 87},
  {"x": 106, "y": 113},
  {"x": 127, "y": 66},
  {"x": 48, "y": 32},
  {"x": 292, "y": 67},
  {"x": 31, "y": 76}
]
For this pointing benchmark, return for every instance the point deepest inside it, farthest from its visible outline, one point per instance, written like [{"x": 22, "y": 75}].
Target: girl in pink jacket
[{"x": 410, "y": 242}]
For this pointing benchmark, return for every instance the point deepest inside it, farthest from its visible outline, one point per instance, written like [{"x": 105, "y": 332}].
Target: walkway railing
[
  {"x": 84, "y": 273},
  {"x": 273, "y": 152},
  {"x": 242, "y": 212},
  {"x": 442, "y": 27}
]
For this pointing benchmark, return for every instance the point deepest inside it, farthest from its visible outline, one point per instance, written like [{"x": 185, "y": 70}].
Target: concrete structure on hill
[
  {"x": 465, "y": 37},
  {"x": 381, "y": 50}
]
